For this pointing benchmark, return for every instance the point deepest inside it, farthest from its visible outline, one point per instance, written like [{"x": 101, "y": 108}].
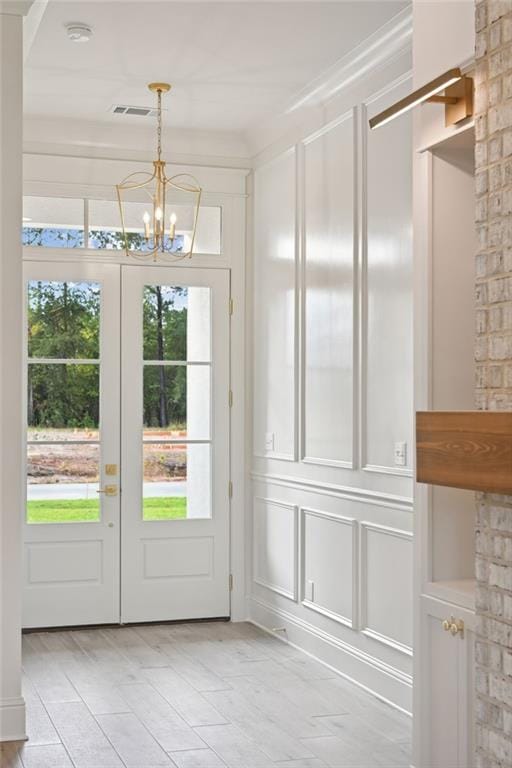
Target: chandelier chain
[{"x": 159, "y": 126}]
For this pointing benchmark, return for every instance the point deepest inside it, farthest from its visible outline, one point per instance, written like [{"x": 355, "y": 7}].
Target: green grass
[
  {"x": 168, "y": 508},
  {"x": 88, "y": 510}
]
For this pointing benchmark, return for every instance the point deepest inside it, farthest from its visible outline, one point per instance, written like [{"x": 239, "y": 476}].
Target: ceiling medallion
[{"x": 159, "y": 213}]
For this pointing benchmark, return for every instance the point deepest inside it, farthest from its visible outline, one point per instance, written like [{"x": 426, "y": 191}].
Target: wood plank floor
[{"x": 205, "y": 695}]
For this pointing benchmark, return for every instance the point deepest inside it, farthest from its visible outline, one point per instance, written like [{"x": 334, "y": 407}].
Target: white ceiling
[{"x": 231, "y": 63}]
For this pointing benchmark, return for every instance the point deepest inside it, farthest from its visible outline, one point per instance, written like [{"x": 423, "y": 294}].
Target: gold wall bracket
[{"x": 457, "y": 100}]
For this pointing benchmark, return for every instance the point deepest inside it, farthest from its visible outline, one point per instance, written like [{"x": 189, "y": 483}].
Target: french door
[{"x": 127, "y": 381}]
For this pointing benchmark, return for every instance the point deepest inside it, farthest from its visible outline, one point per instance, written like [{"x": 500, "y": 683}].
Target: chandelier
[{"x": 151, "y": 225}]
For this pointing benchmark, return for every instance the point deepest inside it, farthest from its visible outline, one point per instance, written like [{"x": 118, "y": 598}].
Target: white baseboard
[
  {"x": 373, "y": 675},
  {"x": 12, "y": 719}
]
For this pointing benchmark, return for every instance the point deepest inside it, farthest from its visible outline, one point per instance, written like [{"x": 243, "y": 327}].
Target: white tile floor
[{"x": 205, "y": 695}]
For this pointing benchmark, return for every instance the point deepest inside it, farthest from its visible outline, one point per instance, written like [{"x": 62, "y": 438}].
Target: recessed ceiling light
[{"x": 78, "y": 32}]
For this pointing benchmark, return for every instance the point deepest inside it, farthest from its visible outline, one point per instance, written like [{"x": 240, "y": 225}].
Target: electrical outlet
[
  {"x": 269, "y": 441},
  {"x": 310, "y": 591},
  {"x": 400, "y": 454}
]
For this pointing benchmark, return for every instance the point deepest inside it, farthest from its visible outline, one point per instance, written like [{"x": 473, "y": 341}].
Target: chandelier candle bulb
[
  {"x": 146, "y": 219},
  {"x": 172, "y": 230}
]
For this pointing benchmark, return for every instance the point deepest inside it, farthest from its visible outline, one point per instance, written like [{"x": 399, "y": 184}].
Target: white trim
[
  {"x": 328, "y": 462},
  {"x": 387, "y": 683},
  {"x": 348, "y": 521},
  {"x": 12, "y": 719},
  {"x": 274, "y": 455},
  {"x": 385, "y": 470},
  {"x": 293, "y": 595},
  {"x": 329, "y": 126},
  {"x": 387, "y": 530},
  {"x": 376, "y": 498}
]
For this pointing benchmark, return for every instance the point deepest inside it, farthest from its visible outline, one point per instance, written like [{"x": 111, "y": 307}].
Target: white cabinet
[
  {"x": 445, "y": 728},
  {"x": 444, "y": 517}
]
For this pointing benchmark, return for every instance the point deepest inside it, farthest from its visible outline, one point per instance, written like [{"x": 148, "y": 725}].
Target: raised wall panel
[
  {"x": 274, "y": 307},
  {"x": 387, "y": 287},
  {"x": 275, "y": 546},
  {"x": 328, "y": 256},
  {"x": 386, "y": 584},
  {"x": 328, "y": 560}
]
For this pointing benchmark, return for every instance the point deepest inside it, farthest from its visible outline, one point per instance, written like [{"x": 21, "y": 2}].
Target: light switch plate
[
  {"x": 269, "y": 441},
  {"x": 400, "y": 454},
  {"x": 310, "y": 590}
]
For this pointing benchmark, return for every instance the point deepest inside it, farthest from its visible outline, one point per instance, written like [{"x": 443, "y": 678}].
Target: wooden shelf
[{"x": 465, "y": 449}]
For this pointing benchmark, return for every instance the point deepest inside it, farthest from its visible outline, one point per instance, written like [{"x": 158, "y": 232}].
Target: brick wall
[{"x": 493, "y": 353}]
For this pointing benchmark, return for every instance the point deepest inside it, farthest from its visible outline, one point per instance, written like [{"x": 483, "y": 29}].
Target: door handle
[{"x": 108, "y": 490}]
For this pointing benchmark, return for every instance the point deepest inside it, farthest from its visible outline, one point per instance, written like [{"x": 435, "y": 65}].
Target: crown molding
[{"x": 387, "y": 44}]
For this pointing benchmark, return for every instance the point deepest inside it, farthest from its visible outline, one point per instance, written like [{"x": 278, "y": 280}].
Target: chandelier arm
[
  {"x": 126, "y": 184},
  {"x": 195, "y": 224}
]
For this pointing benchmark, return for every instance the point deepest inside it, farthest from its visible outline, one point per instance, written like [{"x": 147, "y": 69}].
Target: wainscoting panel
[
  {"x": 275, "y": 546},
  {"x": 329, "y": 564},
  {"x": 328, "y": 286},
  {"x": 387, "y": 287},
  {"x": 386, "y": 585},
  {"x": 274, "y": 308}
]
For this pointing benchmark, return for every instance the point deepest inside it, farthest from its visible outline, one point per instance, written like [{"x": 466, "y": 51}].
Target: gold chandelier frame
[{"x": 156, "y": 185}]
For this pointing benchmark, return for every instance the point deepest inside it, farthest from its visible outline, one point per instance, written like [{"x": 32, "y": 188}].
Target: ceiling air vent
[{"x": 123, "y": 109}]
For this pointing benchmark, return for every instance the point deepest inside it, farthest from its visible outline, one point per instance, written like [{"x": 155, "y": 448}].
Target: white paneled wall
[
  {"x": 387, "y": 276},
  {"x": 328, "y": 302},
  {"x": 274, "y": 301},
  {"x": 332, "y": 384}
]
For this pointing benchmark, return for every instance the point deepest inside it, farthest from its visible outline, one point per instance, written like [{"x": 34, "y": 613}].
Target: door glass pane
[
  {"x": 63, "y": 401},
  {"x": 53, "y": 222},
  {"x": 177, "y": 401},
  {"x": 176, "y": 481},
  {"x": 176, "y": 323},
  {"x": 63, "y": 319},
  {"x": 62, "y": 481}
]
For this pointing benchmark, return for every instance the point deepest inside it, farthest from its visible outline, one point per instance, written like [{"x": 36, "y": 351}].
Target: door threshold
[{"x": 78, "y": 627}]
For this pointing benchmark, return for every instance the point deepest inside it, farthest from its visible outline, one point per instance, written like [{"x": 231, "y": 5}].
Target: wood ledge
[{"x": 465, "y": 449}]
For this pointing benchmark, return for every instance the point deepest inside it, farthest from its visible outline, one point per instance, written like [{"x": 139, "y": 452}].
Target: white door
[
  {"x": 175, "y": 443},
  {"x": 71, "y": 541}
]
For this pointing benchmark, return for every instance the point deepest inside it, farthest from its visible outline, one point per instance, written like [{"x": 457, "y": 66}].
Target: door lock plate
[{"x": 111, "y": 469}]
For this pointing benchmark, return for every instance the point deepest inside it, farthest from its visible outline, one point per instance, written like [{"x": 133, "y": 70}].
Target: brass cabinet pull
[{"x": 454, "y": 626}]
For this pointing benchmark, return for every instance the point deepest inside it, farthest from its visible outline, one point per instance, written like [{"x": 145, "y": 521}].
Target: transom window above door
[{"x": 64, "y": 222}]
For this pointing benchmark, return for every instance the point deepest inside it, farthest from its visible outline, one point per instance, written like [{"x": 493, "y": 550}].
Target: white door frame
[{"x": 232, "y": 258}]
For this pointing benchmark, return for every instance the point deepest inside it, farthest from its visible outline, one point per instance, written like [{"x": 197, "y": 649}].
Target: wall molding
[
  {"x": 290, "y": 595},
  {"x": 387, "y": 683},
  {"x": 342, "y": 520},
  {"x": 349, "y": 116},
  {"x": 363, "y": 171},
  {"x": 385, "y": 530},
  {"x": 375, "y": 498}
]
